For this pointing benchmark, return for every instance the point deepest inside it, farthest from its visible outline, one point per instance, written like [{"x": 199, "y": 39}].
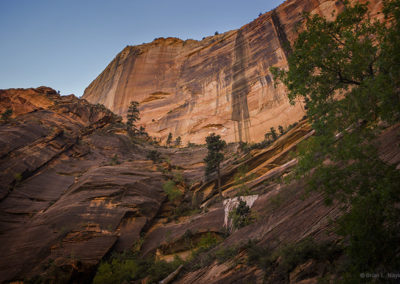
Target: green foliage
[
  {"x": 6, "y": 115},
  {"x": 273, "y": 134},
  {"x": 142, "y": 131},
  {"x": 18, "y": 177},
  {"x": 282, "y": 261},
  {"x": 132, "y": 116},
  {"x": 190, "y": 144},
  {"x": 247, "y": 147},
  {"x": 225, "y": 253},
  {"x": 171, "y": 190},
  {"x": 207, "y": 241},
  {"x": 178, "y": 141},
  {"x": 240, "y": 180},
  {"x": 155, "y": 156},
  {"x": 241, "y": 215},
  {"x": 295, "y": 254},
  {"x": 261, "y": 256},
  {"x": 347, "y": 72},
  {"x": 130, "y": 266},
  {"x": 281, "y": 130},
  {"x": 169, "y": 139},
  {"x": 214, "y": 157},
  {"x": 178, "y": 177}
]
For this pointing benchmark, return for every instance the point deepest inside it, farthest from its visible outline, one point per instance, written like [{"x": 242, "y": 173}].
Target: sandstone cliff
[
  {"x": 75, "y": 188},
  {"x": 221, "y": 84}
]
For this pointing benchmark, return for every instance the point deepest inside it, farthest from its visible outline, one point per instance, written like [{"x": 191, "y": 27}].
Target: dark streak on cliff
[
  {"x": 240, "y": 89},
  {"x": 283, "y": 40}
]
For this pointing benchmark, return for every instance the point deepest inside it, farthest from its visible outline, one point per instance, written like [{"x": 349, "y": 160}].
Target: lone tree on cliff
[
  {"x": 281, "y": 130},
  {"x": 348, "y": 73},
  {"x": 169, "y": 139},
  {"x": 273, "y": 134},
  {"x": 214, "y": 157},
  {"x": 178, "y": 141},
  {"x": 132, "y": 116}
]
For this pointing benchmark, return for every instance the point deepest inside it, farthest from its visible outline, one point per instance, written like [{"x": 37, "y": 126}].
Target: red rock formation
[
  {"x": 74, "y": 188},
  {"x": 221, "y": 84}
]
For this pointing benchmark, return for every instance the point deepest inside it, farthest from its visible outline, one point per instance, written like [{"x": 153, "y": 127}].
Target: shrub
[
  {"x": 178, "y": 177},
  {"x": 208, "y": 241},
  {"x": 240, "y": 216},
  {"x": 224, "y": 254},
  {"x": 171, "y": 190},
  {"x": 284, "y": 260},
  {"x": 154, "y": 155},
  {"x": 6, "y": 115},
  {"x": 128, "y": 266}
]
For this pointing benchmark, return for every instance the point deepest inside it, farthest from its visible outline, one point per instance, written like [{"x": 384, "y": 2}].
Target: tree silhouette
[
  {"x": 169, "y": 139},
  {"x": 132, "y": 116},
  {"x": 178, "y": 141},
  {"x": 281, "y": 131},
  {"x": 273, "y": 134},
  {"x": 214, "y": 157}
]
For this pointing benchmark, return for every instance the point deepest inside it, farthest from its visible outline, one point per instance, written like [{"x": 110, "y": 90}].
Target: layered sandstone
[
  {"x": 221, "y": 84},
  {"x": 74, "y": 188}
]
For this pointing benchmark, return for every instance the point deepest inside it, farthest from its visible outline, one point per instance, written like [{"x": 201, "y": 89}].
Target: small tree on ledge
[
  {"x": 214, "y": 157},
  {"x": 132, "y": 116},
  {"x": 178, "y": 141},
  {"x": 169, "y": 139}
]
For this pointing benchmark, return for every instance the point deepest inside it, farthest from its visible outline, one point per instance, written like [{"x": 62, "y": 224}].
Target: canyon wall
[{"x": 221, "y": 84}]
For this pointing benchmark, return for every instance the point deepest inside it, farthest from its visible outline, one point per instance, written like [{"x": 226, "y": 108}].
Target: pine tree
[
  {"x": 281, "y": 131},
  {"x": 178, "y": 141},
  {"x": 132, "y": 116},
  {"x": 273, "y": 134},
  {"x": 214, "y": 157},
  {"x": 169, "y": 139}
]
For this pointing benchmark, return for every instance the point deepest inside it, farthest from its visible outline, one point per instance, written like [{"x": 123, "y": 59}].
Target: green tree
[
  {"x": 273, "y": 134},
  {"x": 171, "y": 190},
  {"x": 169, "y": 139},
  {"x": 142, "y": 131},
  {"x": 348, "y": 73},
  {"x": 5, "y": 116},
  {"x": 240, "y": 216},
  {"x": 214, "y": 156},
  {"x": 281, "y": 131},
  {"x": 178, "y": 141},
  {"x": 132, "y": 116}
]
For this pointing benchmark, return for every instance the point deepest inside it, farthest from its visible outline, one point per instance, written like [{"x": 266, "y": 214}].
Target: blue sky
[{"x": 65, "y": 44}]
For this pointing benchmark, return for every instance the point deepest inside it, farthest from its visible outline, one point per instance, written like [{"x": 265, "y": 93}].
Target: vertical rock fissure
[
  {"x": 280, "y": 32},
  {"x": 240, "y": 90}
]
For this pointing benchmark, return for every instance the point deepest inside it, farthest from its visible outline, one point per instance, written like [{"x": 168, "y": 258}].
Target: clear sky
[{"x": 66, "y": 44}]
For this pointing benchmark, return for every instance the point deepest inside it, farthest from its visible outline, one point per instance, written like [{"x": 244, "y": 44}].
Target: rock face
[
  {"x": 72, "y": 186},
  {"x": 75, "y": 188},
  {"x": 221, "y": 84}
]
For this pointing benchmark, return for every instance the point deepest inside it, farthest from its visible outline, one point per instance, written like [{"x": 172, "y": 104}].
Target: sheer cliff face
[{"x": 221, "y": 84}]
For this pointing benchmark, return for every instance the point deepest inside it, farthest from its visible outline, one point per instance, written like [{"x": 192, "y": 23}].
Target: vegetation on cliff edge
[{"x": 347, "y": 72}]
